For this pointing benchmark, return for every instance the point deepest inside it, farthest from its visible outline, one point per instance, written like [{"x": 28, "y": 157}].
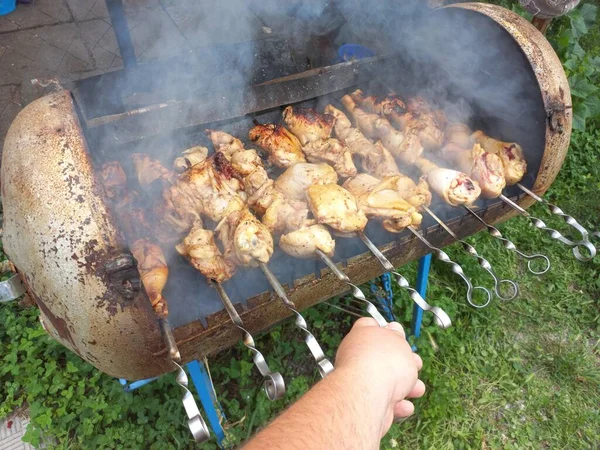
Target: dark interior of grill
[{"x": 461, "y": 71}]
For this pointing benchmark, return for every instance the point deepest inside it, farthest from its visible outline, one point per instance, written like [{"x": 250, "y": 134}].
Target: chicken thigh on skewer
[
  {"x": 510, "y": 153},
  {"x": 284, "y": 149}
]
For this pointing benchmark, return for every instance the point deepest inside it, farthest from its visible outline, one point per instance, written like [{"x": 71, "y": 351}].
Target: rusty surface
[
  {"x": 60, "y": 236},
  {"x": 552, "y": 81}
]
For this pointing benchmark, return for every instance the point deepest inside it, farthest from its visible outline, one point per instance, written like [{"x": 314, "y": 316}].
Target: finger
[
  {"x": 403, "y": 409},
  {"x": 365, "y": 322},
  {"x": 395, "y": 326},
  {"x": 418, "y": 361},
  {"x": 418, "y": 390}
]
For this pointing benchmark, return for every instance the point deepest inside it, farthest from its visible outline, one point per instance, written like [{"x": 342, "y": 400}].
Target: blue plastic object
[
  {"x": 422, "y": 278},
  {"x": 348, "y": 52},
  {"x": 7, "y": 6}
]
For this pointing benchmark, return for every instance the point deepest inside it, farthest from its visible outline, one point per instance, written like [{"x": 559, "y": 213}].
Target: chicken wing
[
  {"x": 149, "y": 170},
  {"x": 511, "y": 154},
  {"x": 307, "y": 124},
  {"x": 154, "y": 272},
  {"x": 294, "y": 182},
  {"x": 283, "y": 147},
  {"x": 333, "y": 205},
  {"x": 190, "y": 157},
  {"x": 304, "y": 242}
]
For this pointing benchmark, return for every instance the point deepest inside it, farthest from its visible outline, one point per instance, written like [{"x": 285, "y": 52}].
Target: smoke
[{"x": 460, "y": 60}]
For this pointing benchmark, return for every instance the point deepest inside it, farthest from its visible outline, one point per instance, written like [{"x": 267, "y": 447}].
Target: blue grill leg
[
  {"x": 206, "y": 393},
  {"x": 422, "y": 278}
]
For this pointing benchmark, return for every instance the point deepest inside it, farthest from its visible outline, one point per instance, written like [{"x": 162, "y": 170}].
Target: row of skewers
[{"x": 305, "y": 207}]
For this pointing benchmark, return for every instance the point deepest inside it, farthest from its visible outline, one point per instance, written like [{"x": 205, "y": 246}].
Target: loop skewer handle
[
  {"x": 356, "y": 292},
  {"x": 483, "y": 263},
  {"x": 509, "y": 245},
  {"x": 457, "y": 269},
  {"x": 324, "y": 365},
  {"x": 441, "y": 319},
  {"x": 196, "y": 423},
  {"x": 576, "y": 246},
  {"x": 274, "y": 383}
]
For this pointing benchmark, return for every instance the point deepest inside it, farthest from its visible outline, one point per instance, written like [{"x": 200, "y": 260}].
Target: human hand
[{"x": 383, "y": 358}]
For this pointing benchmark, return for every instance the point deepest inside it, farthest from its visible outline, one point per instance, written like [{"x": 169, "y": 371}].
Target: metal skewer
[
  {"x": 509, "y": 245},
  {"x": 457, "y": 269},
  {"x": 196, "y": 423},
  {"x": 484, "y": 263},
  {"x": 356, "y": 292},
  {"x": 554, "y": 234},
  {"x": 324, "y": 365},
  {"x": 441, "y": 319},
  {"x": 169, "y": 339},
  {"x": 558, "y": 212},
  {"x": 274, "y": 383}
]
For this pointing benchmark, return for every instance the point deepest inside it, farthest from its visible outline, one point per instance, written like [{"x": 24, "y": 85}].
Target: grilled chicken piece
[
  {"x": 294, "y": 182},
  {"x": 333, "y": 205},
  {"x": 149, "y": 170},
  {"x": 190, "y": 157},
  {"x": 113, "y": 180},
  {"x": 283, "y": 147},
  {"x": 417, "y": 194},
  {"x": 454, "y": 187},
  {"x": 381, "y": 200},
  {"x": 303, "y": 243},
  {"x": 485, "y": 168},
  {"x": 200, "y": 249},
  {"x": 307, "y": 124},
  {"x": 374, "y": 157},
  {"x": 247, "y": 241},
  {"x": 224, "y": 142},
  {"x": 332, "y": 152},
  {"x": 458, "y": 134},
  {"x": 511, "y": 154},
  {"x": 152, "y": 265},
  {"x": 405, "y": 146}
]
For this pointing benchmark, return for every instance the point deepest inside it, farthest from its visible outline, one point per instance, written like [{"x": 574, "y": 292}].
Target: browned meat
[{"x": 283, "y": 147}]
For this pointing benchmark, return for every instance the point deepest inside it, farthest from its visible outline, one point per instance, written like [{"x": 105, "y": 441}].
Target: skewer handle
[
  {"x": 274, "y": 383},
  {"x": 196, "y": 423},
  {"x": 483, "y": 263},
  {"x": 325, "y": 366},
  {"x": 169, "y": 339},
  {"x": 356, "y": 292},
  {"x": 441, "y": 319},
  {"x": 457, "y": 269},
  {"x": 509, "y": 245},
  {"x": 589, "y": 250},
  {"x": 558, "y": 212}
]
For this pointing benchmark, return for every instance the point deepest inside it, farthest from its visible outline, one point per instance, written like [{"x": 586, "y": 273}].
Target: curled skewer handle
[
  {"x": 558, "y": 212},
  {"x": 483, "y": 263},
  {"x": 457, "y": 269},
  {"x": 274, "y": 383},
  {"x": 356, "y": 292},
  {"x": 196, "y": 423},
  {"x": 583, "y": 250},
  {"x": 509, "y": 245},
  {"x": 324, "y": 365},
  {"x": 440, "y": 317}
]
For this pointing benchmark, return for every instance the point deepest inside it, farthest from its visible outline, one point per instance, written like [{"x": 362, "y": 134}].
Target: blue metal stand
[{"x": 422, "y": 279}]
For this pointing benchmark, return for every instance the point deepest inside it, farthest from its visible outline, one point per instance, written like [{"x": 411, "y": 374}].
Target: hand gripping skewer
[
  {"x": 558, "y": 212},
  {"x": 457, "y": 269},
  {"x": 274, "y": 383},
  {"x": 440, "y": 317},
  {"x": 484, "y": 263},
  {"x": 509, "y": 245},
  {"x": 554, "y": 234},
  {"x": 324, "y": 365},
  {"x": 356, "y": 292},
  {"x": 196, "y": 423}
]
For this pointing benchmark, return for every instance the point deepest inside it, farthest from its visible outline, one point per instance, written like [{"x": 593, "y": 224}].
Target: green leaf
[
  {"x": 578, "y": 51},
  {"x": 578, "y": 26},
  {"x": 588, "y": 13},
  {"x": 592, "y": 104},
  {"x": 580, "y": 114},
  {"x": 580, "y": 87}
]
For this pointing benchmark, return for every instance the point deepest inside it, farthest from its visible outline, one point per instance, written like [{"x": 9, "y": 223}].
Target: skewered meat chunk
[
  {"x": 246, "y": 240},
  {"x": 454, "y": 187},
  {"x": 374, "y": 157},
  {"x": 314, "y": 131},
  {"x": 380, "y": 199},
  {"x": 152, "y": 265},
  {"x": 510, "y": 153},
  {"x": 459, "y": 134},
  {"x": 485, "y": 168},
  {"x": 190, "y": 157},
  {"x": 333, "y": 205},
  {"x": 149, "y": 170},
  {"x": 283, "y": 147},
  {"x": 304, "y": 242},
  {"x": 294, "y": 182},
  {"x": 200, "y": 249},
  {"x": 307, "y": 124},
  {"x": 113, "y": 180}
]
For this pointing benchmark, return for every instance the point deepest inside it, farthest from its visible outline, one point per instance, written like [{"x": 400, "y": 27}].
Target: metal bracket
[
  {"x": 12, "y": 288},
  {"x": 123, "y": 275}
]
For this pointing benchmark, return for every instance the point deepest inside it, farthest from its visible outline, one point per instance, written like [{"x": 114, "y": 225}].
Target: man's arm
[{"x": 355, "y": 405}]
